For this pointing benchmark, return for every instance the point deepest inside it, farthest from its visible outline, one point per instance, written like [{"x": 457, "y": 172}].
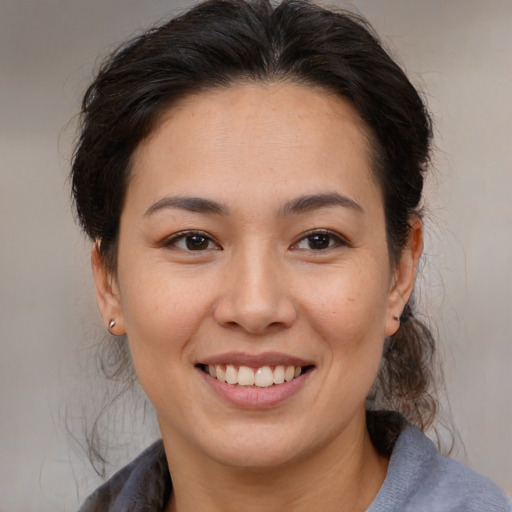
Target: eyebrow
[
  {"x": 191, "y": 204},
  {"x": 304, "y": 204}
]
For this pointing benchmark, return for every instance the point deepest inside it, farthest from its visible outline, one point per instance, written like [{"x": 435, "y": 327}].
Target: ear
[
  {"x": 107, "y": 294},
  {"x": 404, "y": 276}
]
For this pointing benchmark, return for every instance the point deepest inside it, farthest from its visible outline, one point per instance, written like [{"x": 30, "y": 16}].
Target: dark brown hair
[{"x": 219, "y": 42}]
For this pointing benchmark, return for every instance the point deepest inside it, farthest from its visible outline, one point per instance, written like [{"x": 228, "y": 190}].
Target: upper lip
[{"x": 255, "y": 360}]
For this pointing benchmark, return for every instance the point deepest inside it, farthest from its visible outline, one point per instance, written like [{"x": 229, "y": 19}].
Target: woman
[{"x": 251, "y": 178}]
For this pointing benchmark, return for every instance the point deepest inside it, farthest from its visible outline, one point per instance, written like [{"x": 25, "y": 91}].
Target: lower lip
[{"x": 252, "y": 397}]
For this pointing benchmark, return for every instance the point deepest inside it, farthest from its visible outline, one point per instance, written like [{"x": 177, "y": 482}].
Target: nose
[{"x": 254, "y": 296}]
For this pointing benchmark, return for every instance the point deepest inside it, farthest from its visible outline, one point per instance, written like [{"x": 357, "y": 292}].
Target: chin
[
  {"x": 256, "y": 457},
  {"x": 259, "y": 447}
]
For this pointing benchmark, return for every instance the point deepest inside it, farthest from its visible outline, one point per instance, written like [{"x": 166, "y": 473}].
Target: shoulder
[
  {"x": 143, "y": 485},
  {"x": 419, "y": 478}
]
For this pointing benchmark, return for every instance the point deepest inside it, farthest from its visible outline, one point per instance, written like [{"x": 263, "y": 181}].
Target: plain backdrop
[{"x": 459, "y": 52}]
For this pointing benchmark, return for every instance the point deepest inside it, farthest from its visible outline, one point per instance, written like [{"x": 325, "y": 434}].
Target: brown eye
[
  {"x": 192, "y": 242},
  {"x": 319, "y": 241},
  {"x": 197, "y": 243}
]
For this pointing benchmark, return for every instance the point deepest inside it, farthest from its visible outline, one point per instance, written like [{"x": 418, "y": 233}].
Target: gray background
[{"x": 458, "y": 51}]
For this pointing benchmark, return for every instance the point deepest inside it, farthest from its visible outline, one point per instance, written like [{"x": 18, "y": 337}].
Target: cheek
[
  {"x": 161, "y": 315},
  {"x": 350, "y": 305},
  {"x": 162, "y": 319}
]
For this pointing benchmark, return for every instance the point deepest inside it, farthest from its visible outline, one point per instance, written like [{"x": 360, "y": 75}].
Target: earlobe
[
  {"x": 404, "y": 276},
  {"x": 107, "y": 294}
]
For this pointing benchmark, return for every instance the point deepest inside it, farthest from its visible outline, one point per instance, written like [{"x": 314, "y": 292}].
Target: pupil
[
  {"x": 197, "y": 242},
  {"x": 319, "y": 242}
]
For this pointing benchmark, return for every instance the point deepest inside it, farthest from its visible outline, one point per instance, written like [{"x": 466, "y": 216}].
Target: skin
[{"x": 256, "y": 285}]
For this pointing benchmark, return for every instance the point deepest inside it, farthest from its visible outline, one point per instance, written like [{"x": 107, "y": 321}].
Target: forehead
[{"x": 249, "y": 134}]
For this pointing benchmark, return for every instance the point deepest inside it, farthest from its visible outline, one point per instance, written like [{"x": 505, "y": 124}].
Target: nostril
[{"x": 232, "y": 324}]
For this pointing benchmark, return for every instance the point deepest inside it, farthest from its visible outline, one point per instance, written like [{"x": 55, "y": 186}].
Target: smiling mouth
[{"x": 262, "y": 377}]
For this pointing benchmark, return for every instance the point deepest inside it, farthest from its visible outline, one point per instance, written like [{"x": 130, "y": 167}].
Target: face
[{"x": 253, "y": 249}]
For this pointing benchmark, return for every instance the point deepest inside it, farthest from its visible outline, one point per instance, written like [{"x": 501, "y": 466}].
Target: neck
[{"x": 343, "y": 476}]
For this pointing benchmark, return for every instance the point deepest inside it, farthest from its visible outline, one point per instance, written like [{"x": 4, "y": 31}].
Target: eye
[
  {"x": 191, "y": 241},
  {"x": 319, "y": 240}
]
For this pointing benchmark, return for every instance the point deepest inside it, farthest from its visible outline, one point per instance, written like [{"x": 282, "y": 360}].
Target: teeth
[
  {"x": 279, "y": 375},
  {"x": 220, "y": 373},
  {"x": 289, "y": 373},
  {"x": 246, "y": 376},
  {"x": 231, "y": 374},
  {"x": 263, "y": 377}
]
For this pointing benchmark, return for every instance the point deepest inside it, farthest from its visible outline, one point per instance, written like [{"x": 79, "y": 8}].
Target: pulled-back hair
[{"x": 220, "y": 42}]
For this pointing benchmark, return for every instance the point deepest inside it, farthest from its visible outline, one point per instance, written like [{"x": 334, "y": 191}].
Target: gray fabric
[
  {"x": 421, "y": 480},
  {"x": 418, "y": 480}
]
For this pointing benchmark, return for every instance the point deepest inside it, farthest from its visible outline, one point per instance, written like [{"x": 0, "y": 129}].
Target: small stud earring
[{"x": 111, "y": 324}]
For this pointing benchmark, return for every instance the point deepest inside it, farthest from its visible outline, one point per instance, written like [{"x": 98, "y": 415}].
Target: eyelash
[
  {"x": 187, "y": 236},
  {"x": 333, "y": 240}
]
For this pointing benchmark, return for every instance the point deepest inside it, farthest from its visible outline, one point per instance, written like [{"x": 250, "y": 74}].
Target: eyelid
[
  {"x": 171, "y": 240},
  {"x": 338, "y": 238}
]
